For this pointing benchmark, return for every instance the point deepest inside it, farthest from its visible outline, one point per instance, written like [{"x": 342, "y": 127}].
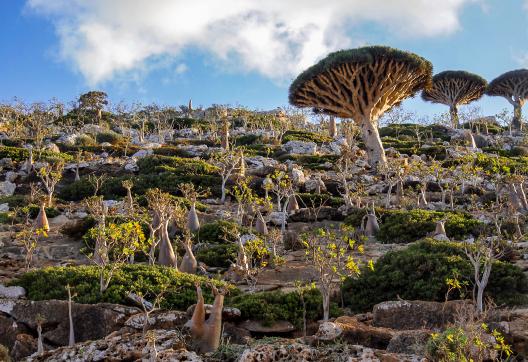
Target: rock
[
  {"x": 142, "y": 153},
  {"x": 355, "y": 332},
  {"x": 412, "y": 342},
  {"x": 247, "y": 237},
  {"x": 158, "y": 320},
  {"x": 106, "y": 144},
  {"x": 151, "y": 145},
  {"x": 278, "y": 217},
  {"x": 194, "y": 150},
  {"x": 11, "y": 176},
  {"x": 404, "y": 315},
  {"x": 91, "y": 321},
  {"x": 276, "y": 327},
  {"x": 68, "y": 139},
  {"x": 300, "y": 147},
  {"x": 516, "y": 329},
  {"x": 7, "y": 188},
  {"x": 12, "y": 292},
  {"x": 4, "y": 207},
  {"x": 297, "y": 176},
  {"x": 328, "y": 331},
  {"x": 187, "y": 132},
  {"x": 312, "y": 184},
  {"x": 123, "y": 347},
  {"x": 9, "y": 330},
  {"x": 289, "y": 352},
  {"x": 131, "y": 166},
  {"x": 52, "y": 147},
  {"x": 24, "y": 346}
]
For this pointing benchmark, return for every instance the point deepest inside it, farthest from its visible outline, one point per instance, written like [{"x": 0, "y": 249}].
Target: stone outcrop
[{"x": 404, "y": 315}]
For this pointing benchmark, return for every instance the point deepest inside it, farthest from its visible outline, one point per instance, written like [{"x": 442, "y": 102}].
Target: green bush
[
  {"x": 248, "y": 139},
  {"x": 51, "y": 212},
  {"x": 85, "y": 140},
  {"x": 6, "y": 218},
  {"x": 419, "y": 272},
  {"x": 268, "y": 307},
  {"x": 113, "y": 189},
  {"x": 305, "y": 136},
  {"x": 21, "y": 154},
  {"x": 176, "y": 165},
  {"x": 108, "y": 136},
  {"x": 405, "y": 226},
  {"x": 494, "y": 164},
  {"x": 218, "y": 255},
  {"x": 409, "y": 129},
  {"x": 49, "y": 283},
  {"x": 313, "y": 162},
  {"x": 14, "y": 200},
  {"x": 307, "y": 200},
  {"x": 220, "y": 232}
]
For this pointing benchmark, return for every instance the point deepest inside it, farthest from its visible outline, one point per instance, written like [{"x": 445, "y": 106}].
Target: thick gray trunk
[
  {"x": 373, "y": 145},
  {"x": 166, "y": 252},
  {"x": 453, "y": 112},
  {"x": 517, "y": 117}
]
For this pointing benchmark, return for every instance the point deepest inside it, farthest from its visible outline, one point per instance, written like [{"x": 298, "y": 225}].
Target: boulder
[
  {"x": 405, "y": 315},
  {"x": 25, "y": 345},
  {"x": 328, "y": 331},
  {"x": 412, "y": 342},
  {"x": 297, "y": 176},
  {"x": 142, "y": 153},
  {"x": 278, "y": 217},
  {"x": 7, "y": 188},
  {"x": 91, "y": 321},
  {"x": 158, "y": 320},
  {"x": 123, "y": 347},
  {"x": 4, "y": 207},
  {"x": 259, "y": 327},
  {"x": 13, "y": 292},
  {"x": 355, "y": 332},
  {"x": 300, "y": 147}
]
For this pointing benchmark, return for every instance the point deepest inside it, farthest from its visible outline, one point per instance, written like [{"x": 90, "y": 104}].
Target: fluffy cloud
[{"x": 277, "y": 38}]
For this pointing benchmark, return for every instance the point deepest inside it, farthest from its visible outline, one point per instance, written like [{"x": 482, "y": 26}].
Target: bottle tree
[
  {"x": 454, "y": 88},
  {"x": 513, "y": 86},
  {"x": 362, "y": 84}
]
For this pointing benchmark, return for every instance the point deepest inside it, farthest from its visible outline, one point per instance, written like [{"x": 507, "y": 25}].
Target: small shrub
[
  {"x": 48, "y": 283},
  {"x": 307, "y": 199},
  {"x": 176, "y": 165},
  {"x": 108, "y": 136},
  {"x": 219, "y": 232},
  {"x": 269, "y": 307},
  {"x": 305, "y": 136},
  {"x": 419, "y": 273},
  {"x": 85, "y": 140},
  {"x": 218, "y": 255},
  {"x": 248, "y": 139}
]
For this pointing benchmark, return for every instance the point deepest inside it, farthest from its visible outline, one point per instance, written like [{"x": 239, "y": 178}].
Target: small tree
[
  {"x": 50, "y": 175},
  {"x": 329, "y": 251},
  {"x": 93, "y": 101},
  {"x": 482, "y": 254},
  {"x": 513, "y": 86},
  {"x": 227, "y": 162},
  {"x": 455, "y": 88}
]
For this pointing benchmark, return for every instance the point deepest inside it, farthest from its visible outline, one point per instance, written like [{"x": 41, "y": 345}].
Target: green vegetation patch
[
  {"x": 419, "y": 272},
  {"x": 180, "y": 292}
]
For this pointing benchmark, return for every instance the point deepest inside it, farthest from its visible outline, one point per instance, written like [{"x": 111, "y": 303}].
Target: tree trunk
[
  {"x": 326, "y": 305},
  {"x": 517, "y": 117},
  {"x": 222, "y": 199},
  {"x": 166, "y": 252},
  {"x": 374, "y": 147},
  {"x": 453, "y": 112},
  {"x": 332, "y": 127},
  {"x": 71, "y": 339},
  {"x": 213, "y": 329}
]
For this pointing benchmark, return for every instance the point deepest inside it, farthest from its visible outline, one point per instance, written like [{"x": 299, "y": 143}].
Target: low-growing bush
[
  {"x": 248, "y": 139},
  {"x": 419, "y": 272},
  {"x": 113, "y": 189},
  {"x": 218, "y": 255},
  {"x": 314, "y": 162},
  {"x": 176, "y": 165},
  {"x": 85, "y": 140},
  {"x": 404, "y": 226},
  {"x": 269, "y": 307},
  {"x": 108, "y": 136},
  {"x": 180, "y": 292},
  {"x": 21, "y": 154},
  {"x": 219, "y": 232},
  {"x": 309, "y": 200},
  {"x": 305, "y": 136}
]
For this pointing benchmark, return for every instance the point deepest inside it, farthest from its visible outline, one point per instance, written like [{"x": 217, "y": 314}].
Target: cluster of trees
[{"x": 364, "y": 83}]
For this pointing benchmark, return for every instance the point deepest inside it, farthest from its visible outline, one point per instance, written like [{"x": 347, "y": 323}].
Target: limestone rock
[
  {"x": 276, "y": 327},
  {"x": 7, "y": 188},
  {"x": 13, "y": 292},
  {"x": 300, "y": 147},
  {"x": 405, "y": 315}
]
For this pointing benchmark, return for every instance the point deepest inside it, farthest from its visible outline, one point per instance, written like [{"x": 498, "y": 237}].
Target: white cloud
[{"x": 277, "y": 38}]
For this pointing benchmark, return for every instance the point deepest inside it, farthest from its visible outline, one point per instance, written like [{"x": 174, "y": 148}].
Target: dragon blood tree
[
  {"x": 362, "y": 84},
  {"x": 513, "y": 86},
  {"x": 454, "y": 88}
]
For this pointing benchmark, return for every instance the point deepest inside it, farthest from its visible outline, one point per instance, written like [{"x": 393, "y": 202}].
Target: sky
[{"x": 240, "y": 52}]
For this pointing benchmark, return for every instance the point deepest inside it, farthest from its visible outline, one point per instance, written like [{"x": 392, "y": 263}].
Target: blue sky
[{"x": 242, "y": 55}]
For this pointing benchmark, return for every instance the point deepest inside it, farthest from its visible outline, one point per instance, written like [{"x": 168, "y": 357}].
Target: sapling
[
  {"x": 71, "y": 337},
  {"x": 50, "y": 175},
  {"x": 482, "y": 254},
  {"x": 329, "y": 251},
  {"x": 39, "y": 319}
]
